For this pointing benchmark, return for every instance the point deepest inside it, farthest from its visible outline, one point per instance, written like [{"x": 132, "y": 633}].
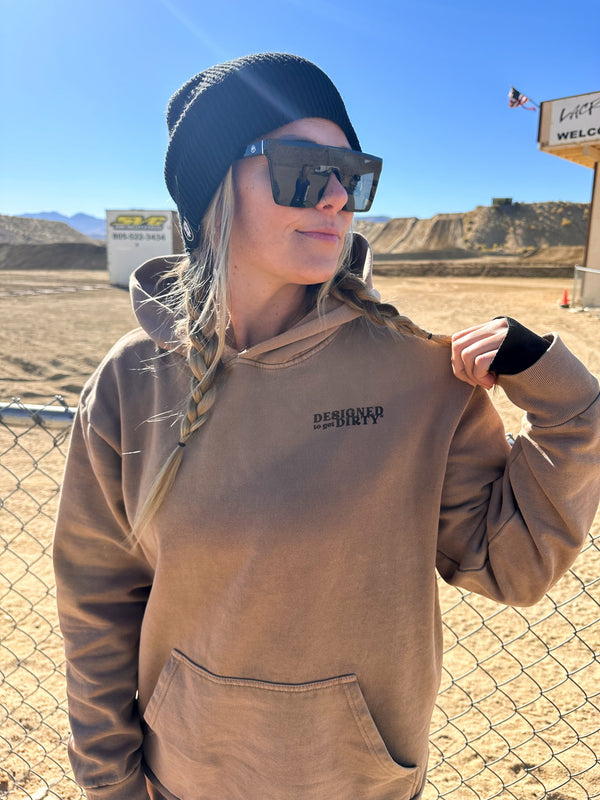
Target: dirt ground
[{"x": 518, "y": 712}]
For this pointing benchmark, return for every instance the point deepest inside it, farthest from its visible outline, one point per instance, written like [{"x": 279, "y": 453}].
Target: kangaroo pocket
[{"x": 237, "y": 739}]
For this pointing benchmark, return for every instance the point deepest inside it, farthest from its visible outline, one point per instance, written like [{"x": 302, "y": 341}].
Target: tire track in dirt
[{"x": 54, "y": 290}]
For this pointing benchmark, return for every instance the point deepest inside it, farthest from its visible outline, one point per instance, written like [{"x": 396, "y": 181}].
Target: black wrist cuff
[{"x": 520, "y": 349}]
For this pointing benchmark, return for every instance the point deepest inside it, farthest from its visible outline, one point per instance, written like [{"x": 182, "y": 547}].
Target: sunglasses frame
[{"x": 325, "y": 156}]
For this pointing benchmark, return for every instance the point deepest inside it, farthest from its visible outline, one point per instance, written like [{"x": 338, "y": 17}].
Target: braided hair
[
  {"x": 198, "y": 298},
  {"x": 348, "y": 288}
]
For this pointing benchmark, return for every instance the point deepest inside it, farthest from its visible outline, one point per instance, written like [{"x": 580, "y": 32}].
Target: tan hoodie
[{"x": 280, "y": 619}]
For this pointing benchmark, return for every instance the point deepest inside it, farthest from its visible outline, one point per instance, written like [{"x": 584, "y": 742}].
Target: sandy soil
[{"x": 56, "y": 326}]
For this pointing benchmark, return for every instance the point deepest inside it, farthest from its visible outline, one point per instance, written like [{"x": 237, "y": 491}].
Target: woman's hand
[{"x": 474, "y": 349}]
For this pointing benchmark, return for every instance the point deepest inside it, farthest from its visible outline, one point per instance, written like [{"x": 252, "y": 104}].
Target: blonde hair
[
  {"x": 347, "y": 287},
  {"x": 198, "y": 299}
]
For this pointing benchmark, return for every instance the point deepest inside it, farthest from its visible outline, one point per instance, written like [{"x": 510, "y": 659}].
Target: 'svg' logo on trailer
[{"x": 129, "y": 221}]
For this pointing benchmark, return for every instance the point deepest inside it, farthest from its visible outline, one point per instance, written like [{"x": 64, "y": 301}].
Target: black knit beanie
[{"x": 217, "y": 113}]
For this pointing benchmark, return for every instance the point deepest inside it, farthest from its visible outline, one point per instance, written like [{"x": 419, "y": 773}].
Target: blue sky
[{"x": 85, "y": 84}]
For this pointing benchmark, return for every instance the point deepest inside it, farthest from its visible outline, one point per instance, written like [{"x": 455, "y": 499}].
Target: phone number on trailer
[{"x": 138, "y": 237}]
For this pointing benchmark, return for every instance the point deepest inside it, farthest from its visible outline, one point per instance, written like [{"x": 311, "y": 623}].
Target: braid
[
  {"x": 351, "y": 290},
  {"x": 198, "y": 298},
  {"x": 204, "y": 360}
]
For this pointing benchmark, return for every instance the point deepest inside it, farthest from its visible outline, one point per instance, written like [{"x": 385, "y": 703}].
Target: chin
[
  {"x": 318, "y": 273},
  {"x": 316, "y": 279}
]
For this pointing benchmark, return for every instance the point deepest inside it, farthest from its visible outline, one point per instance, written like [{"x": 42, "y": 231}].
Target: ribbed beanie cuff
[{"x": 217, "y": 113}]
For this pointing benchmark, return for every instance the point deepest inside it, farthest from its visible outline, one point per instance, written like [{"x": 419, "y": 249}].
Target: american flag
[{"x": 516, "y": 99}]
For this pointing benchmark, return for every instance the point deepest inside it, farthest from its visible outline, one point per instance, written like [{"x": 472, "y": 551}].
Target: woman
[{"x": 246, "y": 571}]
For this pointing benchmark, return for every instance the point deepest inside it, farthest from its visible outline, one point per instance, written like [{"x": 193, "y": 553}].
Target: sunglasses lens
[
  {"x": 300, "y": 174},
  {"x": 361, "y": 190}
]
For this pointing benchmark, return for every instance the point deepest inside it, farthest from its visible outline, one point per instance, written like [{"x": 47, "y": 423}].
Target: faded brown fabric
[{"x": 280, "y": 619}]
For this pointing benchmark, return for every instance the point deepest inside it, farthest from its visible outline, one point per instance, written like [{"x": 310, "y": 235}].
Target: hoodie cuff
[
  {"x": 555, "y": 389},
  {"x": 134, "y": 787},
  {"x": 520, "y": 349}
]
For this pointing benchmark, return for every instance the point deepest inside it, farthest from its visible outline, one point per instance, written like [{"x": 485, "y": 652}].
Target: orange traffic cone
[{"x": 564, "y": 303}]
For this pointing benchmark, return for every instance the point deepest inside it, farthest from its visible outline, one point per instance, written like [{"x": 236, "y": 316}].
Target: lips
[{"x": 322, "y": 234}]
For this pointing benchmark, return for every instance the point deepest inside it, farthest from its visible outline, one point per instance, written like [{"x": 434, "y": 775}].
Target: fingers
[
  {"x": 476, "y": 370},
  {"x": 474, "y": 349}
]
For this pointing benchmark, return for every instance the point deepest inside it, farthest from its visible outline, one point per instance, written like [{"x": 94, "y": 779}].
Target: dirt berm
[
  {"x": 520, "y": 239},
  {"x": 38, "y": 244},
  {"x": 62, "y": 255}
]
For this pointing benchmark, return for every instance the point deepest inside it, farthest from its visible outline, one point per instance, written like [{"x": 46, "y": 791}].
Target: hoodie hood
[{"x": 149, "y": 291}]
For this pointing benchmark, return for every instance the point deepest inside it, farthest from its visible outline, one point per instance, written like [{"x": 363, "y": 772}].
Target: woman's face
[{"x": 279, "y": 245}]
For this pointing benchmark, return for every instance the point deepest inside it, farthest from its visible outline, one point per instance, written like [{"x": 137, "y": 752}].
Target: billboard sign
[
  {"x": 133, "y": 237},
  {"x": 575, "y": 120}
]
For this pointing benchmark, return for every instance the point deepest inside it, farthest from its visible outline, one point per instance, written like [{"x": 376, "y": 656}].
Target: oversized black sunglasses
[{"x": 300, "y": 172}]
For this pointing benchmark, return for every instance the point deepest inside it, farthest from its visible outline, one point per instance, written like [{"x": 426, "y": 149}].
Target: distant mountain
[
  {"x": 30, "y": 230},
  {"x": 94, "y": 227}
]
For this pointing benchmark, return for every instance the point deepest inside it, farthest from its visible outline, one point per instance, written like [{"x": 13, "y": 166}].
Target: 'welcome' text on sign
[{"x": 575, "y": 119}]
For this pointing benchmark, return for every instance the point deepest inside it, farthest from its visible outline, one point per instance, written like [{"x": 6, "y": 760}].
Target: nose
[{"x": 334, "y": 195}]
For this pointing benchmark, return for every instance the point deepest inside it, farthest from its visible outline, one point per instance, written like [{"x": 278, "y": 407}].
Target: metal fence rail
[{"x": 518, "y": 711}]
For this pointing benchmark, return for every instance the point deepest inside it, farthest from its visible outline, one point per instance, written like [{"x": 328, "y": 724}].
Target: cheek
[
  {"x": 347, "y": 216},
  {"x": 253, "y": 206},
  {"x": 256, "y": 215},
  {"x": 252, "y": 187}
]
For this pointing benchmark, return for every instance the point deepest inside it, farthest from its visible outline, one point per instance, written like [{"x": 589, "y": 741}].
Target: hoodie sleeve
[
  {"x": 514, "y": 520},
  {"x": 102, "y": 587}
]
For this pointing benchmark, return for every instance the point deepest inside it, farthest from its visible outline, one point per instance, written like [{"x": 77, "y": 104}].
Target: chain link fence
[
  {"x": 518, "y": 712},
  {"x": 33, "y": 715}
]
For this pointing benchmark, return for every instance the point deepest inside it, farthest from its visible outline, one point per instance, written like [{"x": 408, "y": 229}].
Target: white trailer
[{"x": 134, "y": 236}]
